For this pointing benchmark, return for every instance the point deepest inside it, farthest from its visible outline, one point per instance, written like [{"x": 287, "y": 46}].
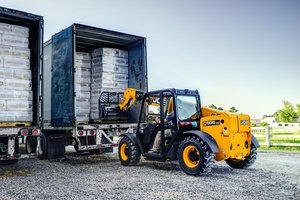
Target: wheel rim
[
  {"x": 123, "y": 152},
  {"x": 191, "y": 156}
]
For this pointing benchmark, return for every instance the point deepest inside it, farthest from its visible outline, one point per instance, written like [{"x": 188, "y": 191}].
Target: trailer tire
[
  {"x": 8, "y": 162},
  {"x": 31, "y": 144},
  {"x": 242, "y": 164},
  {"x": 41, "y": 152}
]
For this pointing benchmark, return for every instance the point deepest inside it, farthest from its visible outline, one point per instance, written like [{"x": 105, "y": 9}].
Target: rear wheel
[
  {"x": 241, "y": 164},
  {"x": 195, "y": 158},
  {"x": 41, "y": 152},
  {"x": 129, "y": 153}
]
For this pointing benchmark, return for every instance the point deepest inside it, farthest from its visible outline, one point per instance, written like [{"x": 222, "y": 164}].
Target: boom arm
[{"x": 131, "y": 95}]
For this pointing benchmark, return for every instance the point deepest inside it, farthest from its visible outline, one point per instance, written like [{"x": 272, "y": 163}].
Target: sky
[{"x": 236, "y": 53}]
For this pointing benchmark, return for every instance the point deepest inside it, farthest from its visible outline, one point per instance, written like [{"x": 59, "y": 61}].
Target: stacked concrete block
[
  {"x": 15, "y": 74},
  {"x": 109, "y": 74},
  {"x": 83, "y": 86}
]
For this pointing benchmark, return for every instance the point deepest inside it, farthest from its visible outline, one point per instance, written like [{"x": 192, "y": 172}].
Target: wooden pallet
[
  {"x": 83, "y": 123},
  {"x": 108, "y": 121},
  {"x": 13, "y": 124}
]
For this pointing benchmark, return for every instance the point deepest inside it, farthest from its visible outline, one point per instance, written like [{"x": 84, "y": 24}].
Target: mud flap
[
  {"x": 255, "y": 141},
  {"x": 56, "y": 146}
]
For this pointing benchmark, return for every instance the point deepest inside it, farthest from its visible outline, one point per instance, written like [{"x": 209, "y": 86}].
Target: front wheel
[
  {"x": 129, "y": 152},
  {"x": 194, "y": 156},
  {"x": 241, "y": 164}
]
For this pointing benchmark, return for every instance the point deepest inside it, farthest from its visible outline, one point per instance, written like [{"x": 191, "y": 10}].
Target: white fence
[{"x": 267, "y": 135}]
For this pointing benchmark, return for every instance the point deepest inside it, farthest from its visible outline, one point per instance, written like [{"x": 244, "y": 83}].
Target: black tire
[
  {"x": 94, "y": 151},
  {"x": 41, "y": 152},
  {"x": 76, "y": 146},
  {"x": 129, "y": 152},
  {"x": 8, "y": 162},
  {"x": 31, "y": 144},
  {"x": 194, "y": 156},
  {"x": 242, "y": 164}
]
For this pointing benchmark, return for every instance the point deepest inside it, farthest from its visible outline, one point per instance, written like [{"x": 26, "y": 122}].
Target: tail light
[
  {"x": 35, "y": 132},
  {"x": 80, "y": 133},
  {"x": 92, "y": 132},
  {"x": 24, "y": 132}
]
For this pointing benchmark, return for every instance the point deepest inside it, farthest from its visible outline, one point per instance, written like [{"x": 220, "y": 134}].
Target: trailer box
[
  {"x": 59, "y": 69},
  {"x": 21, "y": 61}
]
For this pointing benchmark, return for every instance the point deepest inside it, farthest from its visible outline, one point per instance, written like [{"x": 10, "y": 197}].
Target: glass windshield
[{"x": 187, "y": 107}]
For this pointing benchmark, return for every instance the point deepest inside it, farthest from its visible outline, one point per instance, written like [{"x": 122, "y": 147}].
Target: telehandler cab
[{"x": 199, "y": 135}]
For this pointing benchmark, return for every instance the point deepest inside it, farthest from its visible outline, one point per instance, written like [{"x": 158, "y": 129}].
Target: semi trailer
[
  {"x": 57, "y": 120},
  {"x": 21, "y": 54}
]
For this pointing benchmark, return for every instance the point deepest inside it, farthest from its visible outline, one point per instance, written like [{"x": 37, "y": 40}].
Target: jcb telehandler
[{"x": 200, "y": 135}]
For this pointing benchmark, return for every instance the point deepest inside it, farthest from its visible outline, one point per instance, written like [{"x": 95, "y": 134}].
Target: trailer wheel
[
  {"x": 8, "y": 162},
  {"x": 194, "y": 156},
  {"x": 41, "y": 152},
  {"x": 129, "y": 152},
  {"x": 242, "y": 164},
  {"x": 31, "y": 144}
]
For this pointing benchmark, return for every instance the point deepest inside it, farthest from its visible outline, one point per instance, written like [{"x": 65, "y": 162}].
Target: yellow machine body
[{"x": 231, "y": 132}]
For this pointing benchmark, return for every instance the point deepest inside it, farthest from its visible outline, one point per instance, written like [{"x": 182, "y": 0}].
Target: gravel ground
[{"x": 275, "y": 175}]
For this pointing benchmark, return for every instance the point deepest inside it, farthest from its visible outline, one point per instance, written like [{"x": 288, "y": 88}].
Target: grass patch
[
  {"x": 294, "y": 149},
  {"x": 11, "y": 173}
]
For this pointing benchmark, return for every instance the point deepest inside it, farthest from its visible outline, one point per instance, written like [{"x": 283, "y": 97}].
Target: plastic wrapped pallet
[
  {"x": 15, "y": 74},
  {"x": 109, "y": 74},
  {"x": 83, "y": 86},
  {"x": 110, "y": 52}
]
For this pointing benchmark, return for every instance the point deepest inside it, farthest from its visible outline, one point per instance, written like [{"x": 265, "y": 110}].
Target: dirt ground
[{"x": 275, "y": 175}]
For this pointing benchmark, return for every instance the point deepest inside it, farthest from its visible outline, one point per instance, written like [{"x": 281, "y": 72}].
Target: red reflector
[
  {"x": 24, "y": 132},
  {"x": 187, "y": 123},
  {"x": 80, "y": 132},
  {"x": 181, "y": 123},
  {"x": 35, "y": 132},
  {"x": 92, "y": 132},
  {"x": 114, "y": 145}
]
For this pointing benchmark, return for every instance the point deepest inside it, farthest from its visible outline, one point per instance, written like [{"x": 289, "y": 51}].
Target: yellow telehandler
[{"x": 199, "y": 136}]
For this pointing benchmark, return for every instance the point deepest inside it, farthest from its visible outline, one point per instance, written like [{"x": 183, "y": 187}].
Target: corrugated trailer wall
[{"x": 61, "y": 50}]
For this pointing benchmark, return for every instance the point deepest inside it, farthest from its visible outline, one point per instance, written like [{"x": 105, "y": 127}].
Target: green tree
[
  {"x": 213, "y": 106},
  {"x": 220, "y": 108},
  {"x": 233, "y": 109},
  {"x": 298, "y": 109},
  {"x": 287, "y": 113}
]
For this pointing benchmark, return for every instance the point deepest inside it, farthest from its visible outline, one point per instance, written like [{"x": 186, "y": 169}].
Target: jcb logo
[
  {"x": 244, "y": 122},
  {"x": 155, "y": 100},
  {"x": 3, "y": 148}
]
